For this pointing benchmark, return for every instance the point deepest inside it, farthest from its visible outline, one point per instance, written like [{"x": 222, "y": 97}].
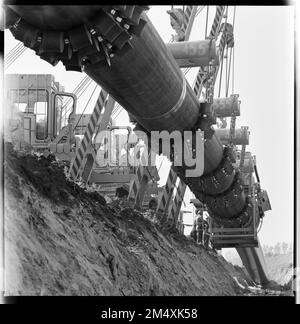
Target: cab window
[
  {"x": 64, "y": 107},
  {"x": 40, "y": 109}
]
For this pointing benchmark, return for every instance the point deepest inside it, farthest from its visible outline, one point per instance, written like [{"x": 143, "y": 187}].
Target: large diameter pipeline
[{"x": 148, "y": 83}]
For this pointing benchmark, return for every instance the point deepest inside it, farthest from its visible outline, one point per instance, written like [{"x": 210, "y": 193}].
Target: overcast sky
[{"x": 264, "y": 81}]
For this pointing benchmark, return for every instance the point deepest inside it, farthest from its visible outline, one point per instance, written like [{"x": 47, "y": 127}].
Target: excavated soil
[{"x": 61, "y": 239}]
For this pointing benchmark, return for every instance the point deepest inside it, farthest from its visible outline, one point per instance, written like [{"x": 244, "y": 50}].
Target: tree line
[{"x": 278, "y": 248}]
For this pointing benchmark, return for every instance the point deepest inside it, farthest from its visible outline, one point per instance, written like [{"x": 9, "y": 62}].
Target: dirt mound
[
  {"x": 46, "y": 175},
  {"x": 62, "y": 240}
]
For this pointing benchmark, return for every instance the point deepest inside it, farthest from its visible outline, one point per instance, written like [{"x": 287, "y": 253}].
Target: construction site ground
[{"x": 61, "y": 239}]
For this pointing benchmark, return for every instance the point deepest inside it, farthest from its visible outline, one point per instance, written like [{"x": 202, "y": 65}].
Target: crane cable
[
  {"x": 186, "y": 70},
  {"x": 14, "y": 54},
  {"x": 233, "y": 117},
  {"x": 116, "y": 110},
  {"x": 76, "y": 92},
  {"x": 86, "y": 106},
  {"x": 161, "y": 163},
  {"x": 231, "y": 50},
  {"x": 206, "y": 22},
  {"x": 84, "y": 87},
  {"x": 228, "y": 69},
  {"x": 220, "y": 78},
  {"x": 13, "y": 51},
  {"x": 232, "y": 87},
  {"x": 120, "y": 110},
  {"x": 222, "y": 58},
  {"x": 79, "y": 87},
  {"x": 203, "y": 70},
  {"x": 85, "y": 82}
]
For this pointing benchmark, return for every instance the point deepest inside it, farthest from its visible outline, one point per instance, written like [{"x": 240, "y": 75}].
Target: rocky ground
[{"x": 61, "y": 239}]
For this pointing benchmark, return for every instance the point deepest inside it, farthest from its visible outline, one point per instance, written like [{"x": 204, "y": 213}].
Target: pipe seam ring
[{"x": 175, "y": 108}]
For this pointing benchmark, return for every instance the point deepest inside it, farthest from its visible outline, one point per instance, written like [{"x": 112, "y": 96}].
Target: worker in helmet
[
  {"x": 196, "y": 232},
  {"x": 153, "y": 203},
  {"x": 122, "y": 192},
  {"x": 200, "y": 227},
  {"x": 205, "y": 234}
]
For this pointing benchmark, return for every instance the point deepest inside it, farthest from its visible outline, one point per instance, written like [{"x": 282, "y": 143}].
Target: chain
[
  {"x": 242, "y": 156},
  {"x": 232, "y": 129}
]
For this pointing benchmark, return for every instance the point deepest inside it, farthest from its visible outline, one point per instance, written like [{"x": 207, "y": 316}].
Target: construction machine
[
  {"x": 37, "y": 114},
  {"x": 119, "y": 48},
  {"x": 42, "y": 117}
]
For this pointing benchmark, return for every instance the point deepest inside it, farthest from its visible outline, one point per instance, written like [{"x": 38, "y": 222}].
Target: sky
[{"x": 263, "y": 78}]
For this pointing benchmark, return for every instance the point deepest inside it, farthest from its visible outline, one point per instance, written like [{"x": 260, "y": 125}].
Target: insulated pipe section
[
  {"x": 241, "y": 136},
  {"x": 226, "y": 107},
  {"x": 152, "y": 88},
  {"x": 74, "y": 34},
  {"x": 49, "y": 18},
  {"x": 192, "y": 54}
]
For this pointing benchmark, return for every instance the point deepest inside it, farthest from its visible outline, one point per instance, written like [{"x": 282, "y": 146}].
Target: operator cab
[{"x": 38, "y": 109}]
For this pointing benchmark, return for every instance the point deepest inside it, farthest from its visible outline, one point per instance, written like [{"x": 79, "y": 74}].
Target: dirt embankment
[{"x": 62, "y": 240}]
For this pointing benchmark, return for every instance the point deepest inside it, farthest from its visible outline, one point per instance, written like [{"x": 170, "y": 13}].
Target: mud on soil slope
[{"x": 62, "y": 240}]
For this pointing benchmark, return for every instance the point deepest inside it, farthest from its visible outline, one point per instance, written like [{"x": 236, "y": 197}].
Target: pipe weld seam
[{"x": 175, "y": 108}]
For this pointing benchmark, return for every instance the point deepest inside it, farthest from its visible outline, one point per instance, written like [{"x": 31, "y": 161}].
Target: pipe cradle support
[
  {"x": 194, "y": 53},
  {"x": 226, "y": 107},
  {"x": 241, "y": 136}
]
